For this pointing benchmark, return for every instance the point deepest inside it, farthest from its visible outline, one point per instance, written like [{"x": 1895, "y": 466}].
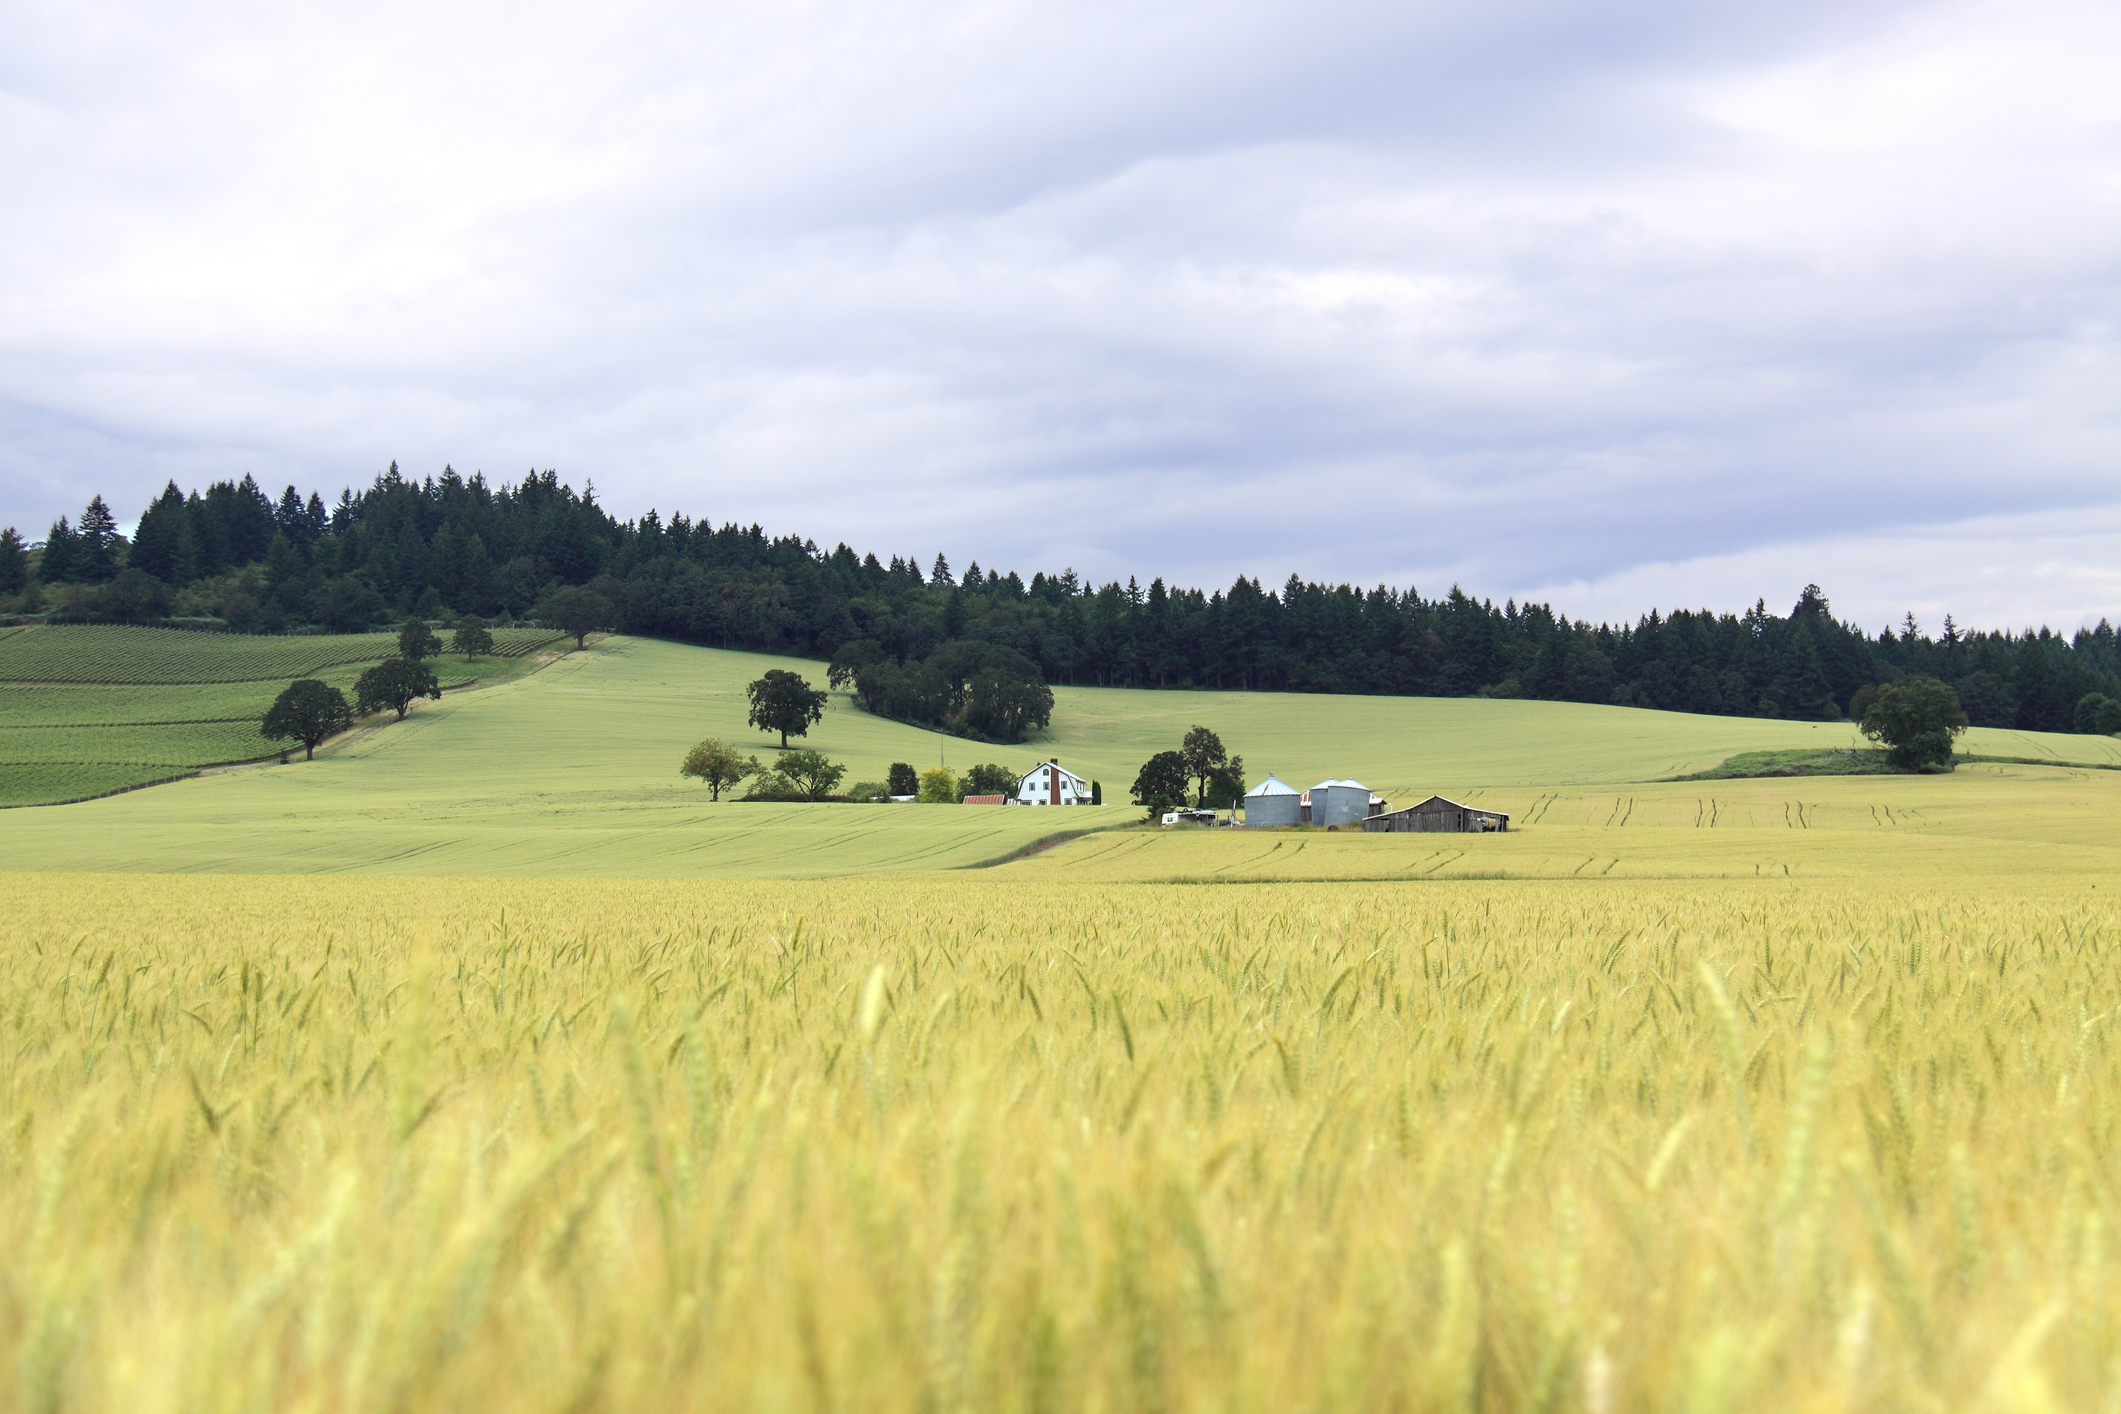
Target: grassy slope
[
  {"x": 573, "y": 772},
  {"x": 167, "y": 702},
  {"x": 1405, "y": 748}
]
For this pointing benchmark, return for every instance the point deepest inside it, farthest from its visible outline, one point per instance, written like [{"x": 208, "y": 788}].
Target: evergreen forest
[{"x": 914, "y": 641}]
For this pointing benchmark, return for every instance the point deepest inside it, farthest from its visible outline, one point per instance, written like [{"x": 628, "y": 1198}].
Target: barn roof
[{"x": 1455, "y": 805}]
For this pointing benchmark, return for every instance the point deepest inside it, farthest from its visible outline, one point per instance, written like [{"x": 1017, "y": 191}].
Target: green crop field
[
  {"x": 573, "y": 771},
  {"x": 69, "y": 653},
  {"x": 1983, "y": 821},
  {"x": 86, "y": 710}
]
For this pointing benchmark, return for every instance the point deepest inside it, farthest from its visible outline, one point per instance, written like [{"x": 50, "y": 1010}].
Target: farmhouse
[
  {"x": 1048, "y": 784},
  {"x": 1437, "y": 815}
]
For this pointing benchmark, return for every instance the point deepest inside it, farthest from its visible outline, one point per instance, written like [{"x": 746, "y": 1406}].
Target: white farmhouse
[{"x": 1048, "y": 784}]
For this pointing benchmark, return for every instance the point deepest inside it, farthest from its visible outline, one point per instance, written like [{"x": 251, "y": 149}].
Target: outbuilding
[
  {"x": 1437, "y": 815},
  {"x": 1047, "y": 784},
  {"x": 1272, "y": 804}
]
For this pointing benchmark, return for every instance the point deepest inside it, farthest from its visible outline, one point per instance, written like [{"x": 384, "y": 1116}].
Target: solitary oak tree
[
  {"x": 575, "y": 611},
  {"x": 471, "y": 638},
  {"x": 783, "y": 702},
  {"x": 1917, "y": 717},
  {"x": 307, "y": 711}
]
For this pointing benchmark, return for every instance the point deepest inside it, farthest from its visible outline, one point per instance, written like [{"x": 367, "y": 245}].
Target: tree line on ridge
[{"x": 977, "y": 652}]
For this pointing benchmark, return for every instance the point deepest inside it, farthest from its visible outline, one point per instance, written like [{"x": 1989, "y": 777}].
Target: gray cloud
[{"x": 1545, "y": 298}]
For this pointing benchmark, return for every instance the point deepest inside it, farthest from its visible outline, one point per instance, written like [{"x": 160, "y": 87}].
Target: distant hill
[
  {"x": 573, "y": 771},
  {"x": 451, "y": 544}
]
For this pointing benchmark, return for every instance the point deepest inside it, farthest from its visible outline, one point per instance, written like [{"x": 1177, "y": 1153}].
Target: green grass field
[
  {"x": 86, "y": 710},
  {"x": 573, "y": 771}
]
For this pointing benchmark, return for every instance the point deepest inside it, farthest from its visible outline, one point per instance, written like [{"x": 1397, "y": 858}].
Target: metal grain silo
[
  {"x": 1270, "y": 804},
  {"x": 1340, "y": 803}
]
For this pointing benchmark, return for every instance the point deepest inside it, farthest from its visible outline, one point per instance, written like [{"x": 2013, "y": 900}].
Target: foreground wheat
[{"x": 944, "y": 1145}]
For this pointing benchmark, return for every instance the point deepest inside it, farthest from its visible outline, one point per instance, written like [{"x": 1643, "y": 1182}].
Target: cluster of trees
[
  {"x": 965, "y": 686},
  {"x": 809, "y": 776},
  {"x": 309, "y": 710},
  {"x": 794, "y": 775},
  {"x": 1201, "y": 767},
  {"x": 450, "y": 544}
]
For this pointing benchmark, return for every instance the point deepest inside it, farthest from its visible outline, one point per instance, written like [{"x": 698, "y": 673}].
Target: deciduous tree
[
  {"x": 1162, "y": 784},
  {"x": 719, "y": 764},
  {"x": 307, "y": 711},
  {"x": 1225, "y": 789},
  {"x": 988, "y": 780},
  {"x": 810, "y": 772},
  {"x": 784, "y": 702},
  {"x": 471, "y": 637},
  {"x": 1917, "y": 717},
  {"x": 1203, "y": 753},
  {"x": 416, "y": 641},
  {"x": 2098, "y": 715},
  {"x": 939, "y": 787},
  {"x": 903, "y": 779},
  {"x": 135, "y": 596},
  {"x": 394, "y": 683},
  {"x": 575, "y": 610}
]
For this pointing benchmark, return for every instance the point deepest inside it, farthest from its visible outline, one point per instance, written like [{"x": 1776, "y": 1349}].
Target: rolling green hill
[
  {"x": 87, "y": 710},
  {"x": 573, "y": 771}
]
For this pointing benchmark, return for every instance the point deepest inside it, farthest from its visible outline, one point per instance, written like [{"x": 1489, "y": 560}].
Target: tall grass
[{"x": 354, "y": 1145}]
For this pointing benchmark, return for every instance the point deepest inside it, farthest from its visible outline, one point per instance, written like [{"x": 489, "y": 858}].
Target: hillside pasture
[
  {"x": 573, "y": 772},
  {"x": 88, "y": 709}
]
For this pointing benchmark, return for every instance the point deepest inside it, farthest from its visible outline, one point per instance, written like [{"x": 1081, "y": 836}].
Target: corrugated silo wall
[
  {"x": 1342, "y": 806},
  {"x": 1271, "y": 811}
]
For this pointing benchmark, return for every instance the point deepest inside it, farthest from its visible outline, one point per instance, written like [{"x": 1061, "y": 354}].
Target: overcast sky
[{"x": 1615, "y": 304}]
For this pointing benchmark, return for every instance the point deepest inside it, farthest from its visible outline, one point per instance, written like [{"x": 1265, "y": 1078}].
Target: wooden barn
[{"x": 1438, "y": 816}]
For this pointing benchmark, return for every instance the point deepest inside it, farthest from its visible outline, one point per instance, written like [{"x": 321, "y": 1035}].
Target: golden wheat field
[{"x": 994, "y": 1143}]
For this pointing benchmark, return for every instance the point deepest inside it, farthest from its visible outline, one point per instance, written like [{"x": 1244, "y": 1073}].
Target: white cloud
[{"x": 1534, "y": 294}]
